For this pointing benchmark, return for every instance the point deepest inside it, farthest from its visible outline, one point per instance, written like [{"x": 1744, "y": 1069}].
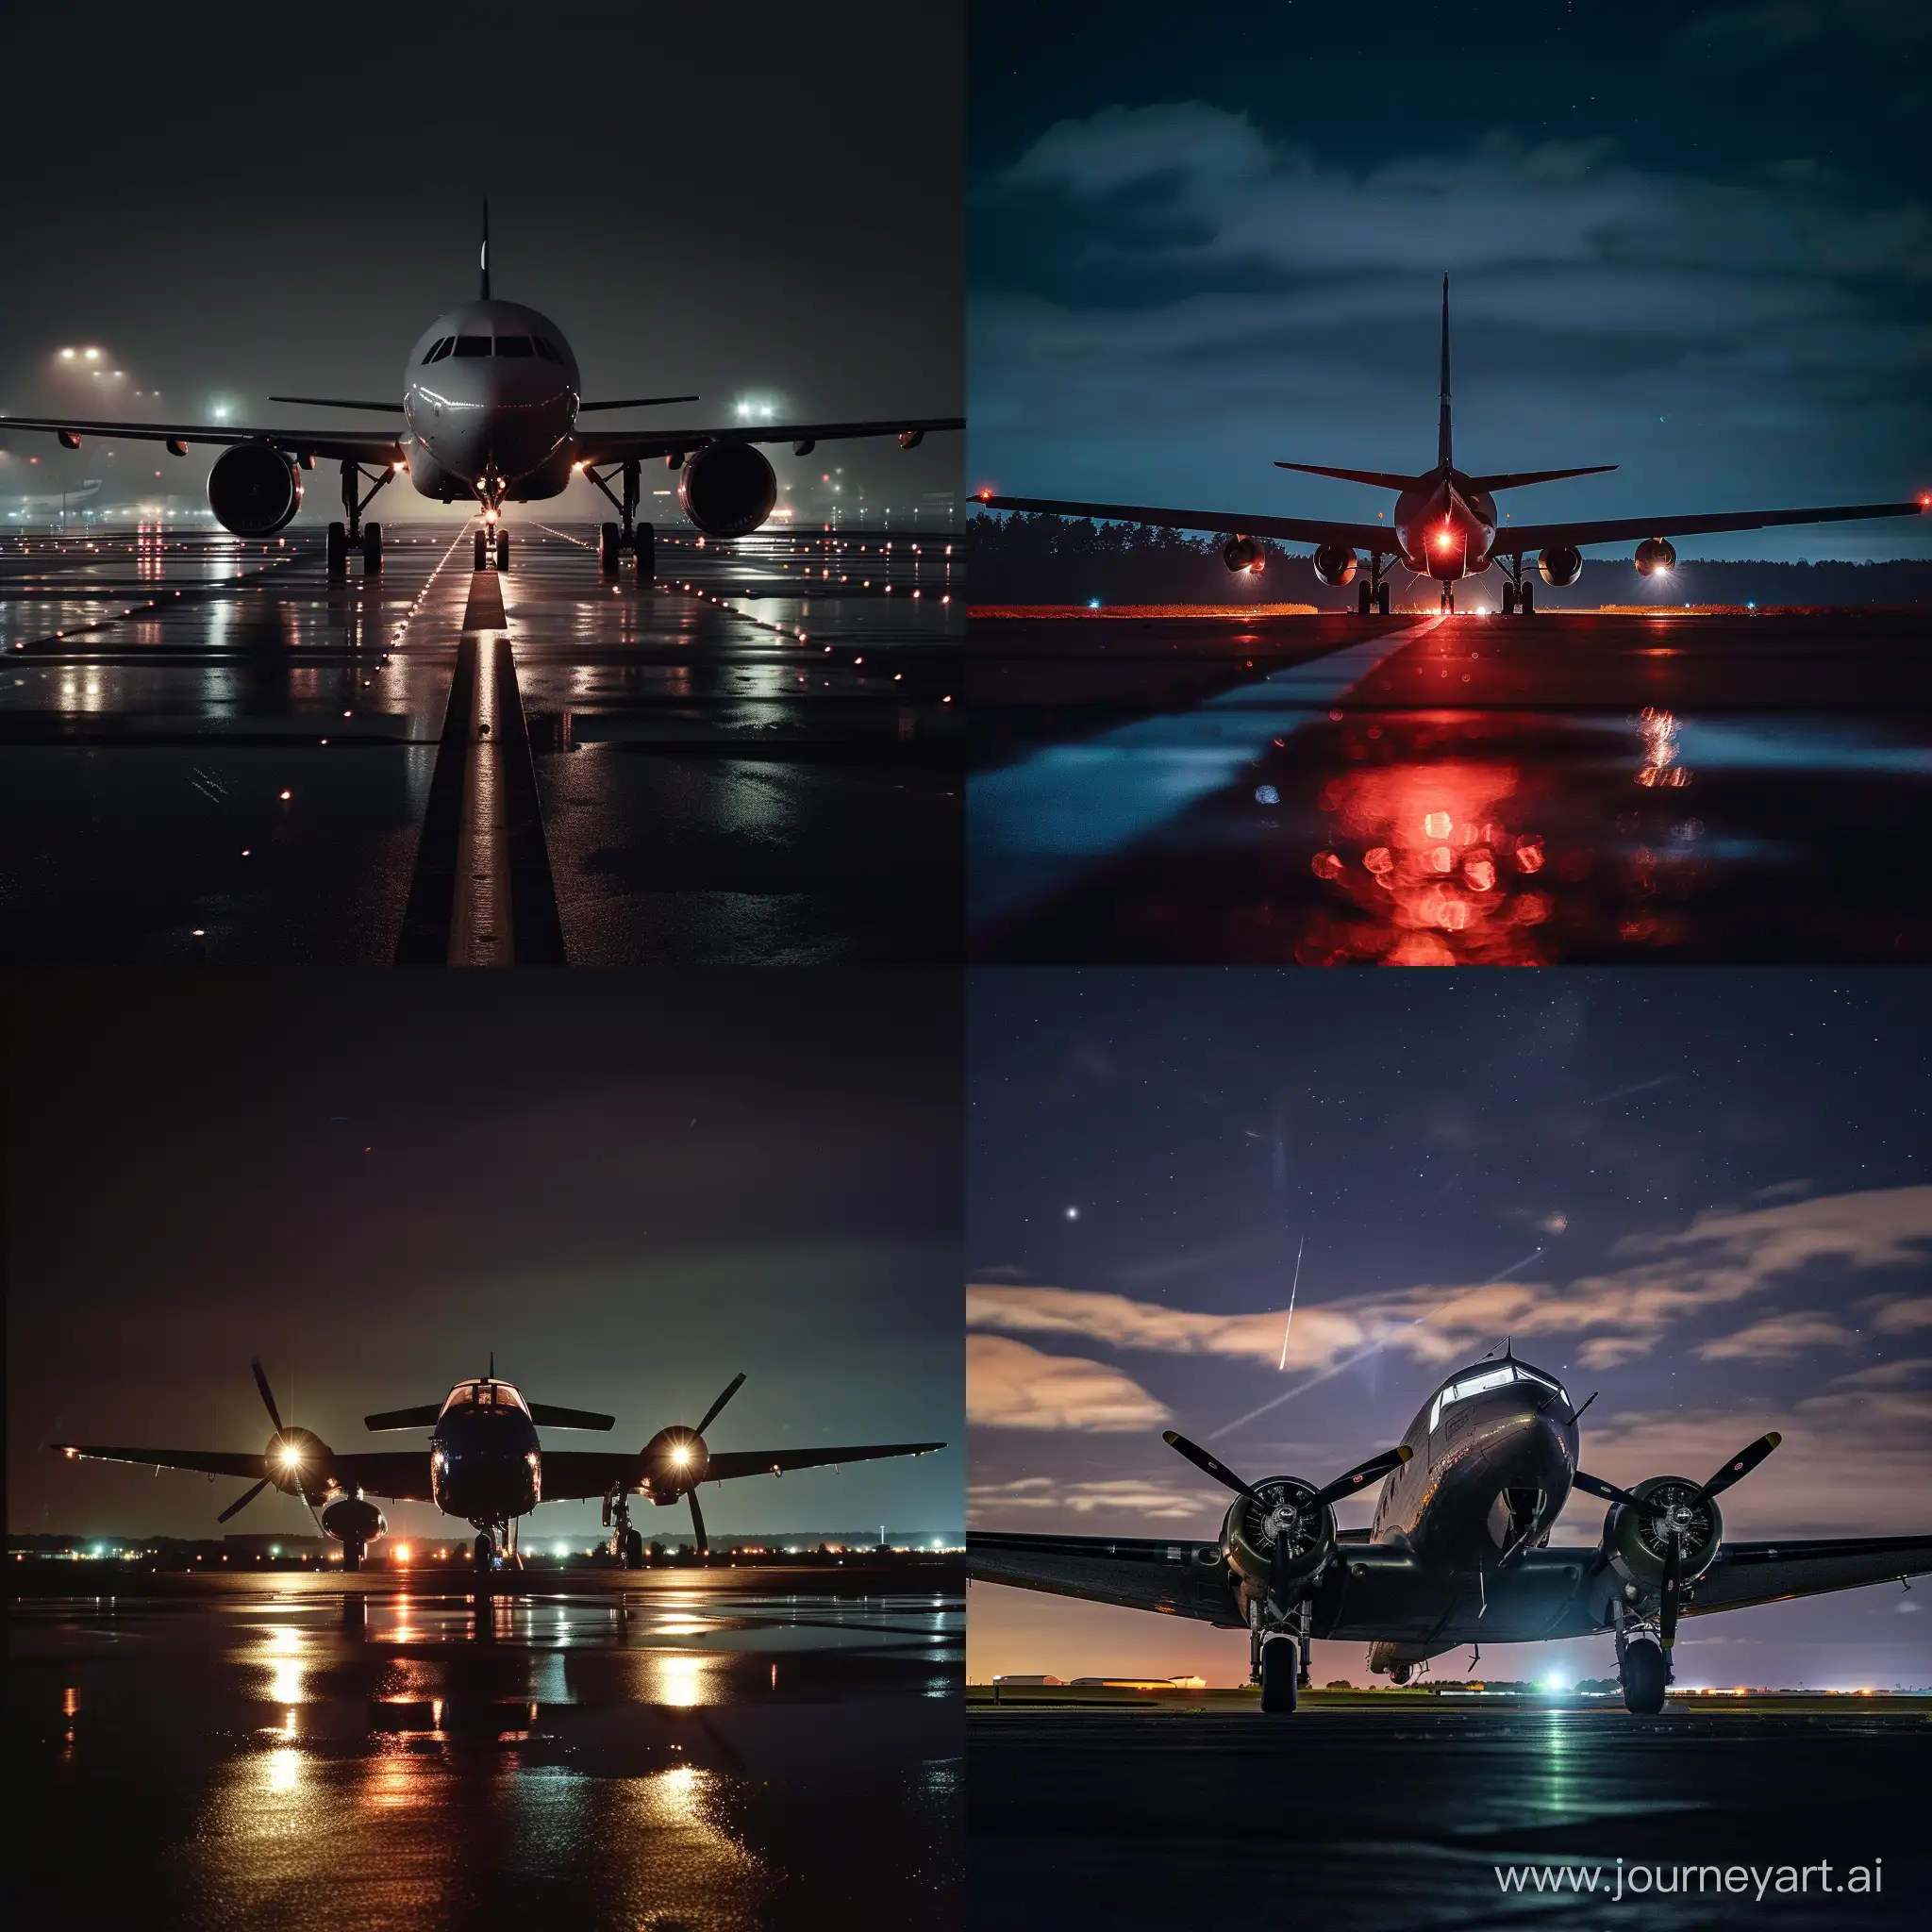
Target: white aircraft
[{"x": 491, "y": 406}]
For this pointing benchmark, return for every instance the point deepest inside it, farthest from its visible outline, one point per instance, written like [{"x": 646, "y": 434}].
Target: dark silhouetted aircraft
[
  {"x": 1445, "y": 526},
  {"x": 490, "y": 405},
  {"x": 483, "y": 1464},
  {"x": 1459, "y": 1553}
]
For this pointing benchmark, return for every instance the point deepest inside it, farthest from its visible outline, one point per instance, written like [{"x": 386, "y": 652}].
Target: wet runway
[
  {"x": 780, "y": 1750},
  {"x": 214, "y": 753},
  {"x": 1402, "y": 1818},
  {"x": 1582, "y": 787}
]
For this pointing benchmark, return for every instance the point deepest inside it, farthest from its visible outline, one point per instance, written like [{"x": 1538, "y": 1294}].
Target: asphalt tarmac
[
  {"x": 1348, "y": 1817},
  {"x": 1590, "y": 787},
  {"x": 775, "y": 1749},
  {"x": 215, "y": 755}
]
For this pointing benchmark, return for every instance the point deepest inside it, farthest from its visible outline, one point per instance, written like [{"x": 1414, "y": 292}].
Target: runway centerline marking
[{"x": 1032, "y": 827}]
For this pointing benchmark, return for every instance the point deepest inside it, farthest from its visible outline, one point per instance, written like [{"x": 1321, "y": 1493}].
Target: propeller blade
[
  {"x": 1595, "y": 1486},
  {"x": 1743, "y": 1463},
  {"x": 731, "y": 1389},
  {"x": 274, "y": 1415},
  {"x": 1667, "y": 1614},
  {"x": 697, "y": 1523},
  {"x": 1363, "y": 1473},
  {"x": 247, "y": 1497},
  {"x": 1207, "y": 1464}
]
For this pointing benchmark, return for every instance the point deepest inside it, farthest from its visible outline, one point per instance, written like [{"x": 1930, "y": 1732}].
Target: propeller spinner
[
  {"x": 291, "y": 1456},
  {"x": 675, "y": 1460}
]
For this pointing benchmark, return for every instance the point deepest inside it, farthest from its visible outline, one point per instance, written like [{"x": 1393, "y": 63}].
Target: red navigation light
[{"x": 1446, "y": 538}]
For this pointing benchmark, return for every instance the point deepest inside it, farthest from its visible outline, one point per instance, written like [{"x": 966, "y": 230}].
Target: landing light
[
  {"x": 290, "y": 1455},
  {"x": 681, "y": 1454}
]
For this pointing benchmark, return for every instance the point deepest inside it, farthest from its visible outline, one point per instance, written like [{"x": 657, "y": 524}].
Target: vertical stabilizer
[
  {"x": 483, "y": 263},
  {"x": 1443, "y": 456}
]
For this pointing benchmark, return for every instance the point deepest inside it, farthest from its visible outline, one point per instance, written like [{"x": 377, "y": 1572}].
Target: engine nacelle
[
  {"x": 355, "y": 1519},
  {"x": 1252, "y": 1529},
  {"x": 1635, "y": 1539},
  {"x": 673, "y": 1462},
  {"x": 1335, "y": 564},
  {"x": 1243, "y": 552},
  {"x": 1561, "y": 565},
  {"x": 727, "y": 489},
  {"x": 254, "y": 489},
  {"x": 1656, "y": 557},
  {"x": 297, "y": 1462}
]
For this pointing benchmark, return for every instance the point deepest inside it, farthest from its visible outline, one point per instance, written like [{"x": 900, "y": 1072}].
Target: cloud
[
  {"x": 1010, "y": 1386},
  {"x": 1779, "y": 1339},
  {"x": 1319, "y": 1334},
  {"x": 1136, "y": 1497},
  {"x": 1914, "y": 1311},
  {"x": 1898, "y": 1374}
]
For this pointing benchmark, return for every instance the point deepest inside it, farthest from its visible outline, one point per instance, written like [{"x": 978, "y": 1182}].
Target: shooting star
[{"x": 1294, "y": 1287}]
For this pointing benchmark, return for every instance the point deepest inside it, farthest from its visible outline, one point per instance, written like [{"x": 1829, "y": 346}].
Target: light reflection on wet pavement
[
  {"x": 1401, "y": 1818},
  {"x": 732, "y": 767},
  {"x": 1579, "y": 789},
  {"x": 673, "y": 1758}
]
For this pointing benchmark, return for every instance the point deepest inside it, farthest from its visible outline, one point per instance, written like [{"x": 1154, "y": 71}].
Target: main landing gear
[
  {"x": 640, "y": 540},
  {"x": 1371, "y": 593},
  {"x": 1282, "y": 1673},
  {"x": 627, "y": 1544},
  {"x": 352, "y": 1557},
  {"x": 355, "y": 534},
  {"x": 1644, "y": 1673},
  {"x": 1519, "y": 593}
]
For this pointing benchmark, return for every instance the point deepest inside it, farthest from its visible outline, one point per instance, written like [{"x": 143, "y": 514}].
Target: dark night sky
[
  {"x": 629, "y": 1185},
  {"x": 757, "y": 201},
  {"x": 1693, "y": 241},
  {"x": 1704, "y": 1193}
]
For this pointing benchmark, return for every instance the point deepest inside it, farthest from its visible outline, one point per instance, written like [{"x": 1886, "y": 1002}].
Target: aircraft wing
[
  {"x": 366, "y": 447},
  {"x": 1769, "y": 1573},
  {"x": 400, "y": 1476},
  {"x": 250, "y": 1464},
  {"x": 1514, "y": 539},
  {"x": 584, "y": 1472},
  {"x": 1289, "y": 530},
  {"x": 629, "y": 445},
  {"x": 1139, "y": 1572}
]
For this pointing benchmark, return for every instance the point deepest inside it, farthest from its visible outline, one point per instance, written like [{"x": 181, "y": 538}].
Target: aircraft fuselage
[
  {"x": 485, "y": 1462},
  {"x": 1446, "y": 528}
]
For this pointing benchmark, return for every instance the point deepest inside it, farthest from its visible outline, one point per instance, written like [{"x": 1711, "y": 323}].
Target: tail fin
[
  {"x": 484, "y": 264},
  {"x": 1442, "y": 455}
]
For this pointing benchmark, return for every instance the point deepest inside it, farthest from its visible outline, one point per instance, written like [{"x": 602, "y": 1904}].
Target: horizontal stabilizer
[
  {"x": 338, "y": 402},
  {"x": 1517, "y": 478},
  {"x": 550, "y": 1417},
  {"x": 420, "y": 1418},
  {"x": 1375, "y": 479}
]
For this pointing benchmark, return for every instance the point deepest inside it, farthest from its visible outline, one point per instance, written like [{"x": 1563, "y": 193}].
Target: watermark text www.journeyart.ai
[{"x": 1621, "y": 1880}]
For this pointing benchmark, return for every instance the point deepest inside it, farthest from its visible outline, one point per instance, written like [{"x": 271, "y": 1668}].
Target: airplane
[
  {"x": 1459, "y": 1550},
  {"x": 1446, "y": 527},
  {"x": 491, "y": 399},
  {"x": 483, "y": 1462}
]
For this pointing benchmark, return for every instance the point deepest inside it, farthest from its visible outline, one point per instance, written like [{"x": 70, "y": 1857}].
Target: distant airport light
[
  {"x": 402, "y": 1553},
  {"x": 93, "y": 355},
  {"x": 67, "y": 355}
]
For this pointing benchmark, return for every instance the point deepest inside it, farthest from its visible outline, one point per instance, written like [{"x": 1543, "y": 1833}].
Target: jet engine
[
  {"x": 355, "y": 1521},
  {"x": 1656, "y": 557},
  {"x": 254, "y": 489},
  {"x": 1279, "y": 1536},
  {"x": 1243, "y": 552},
  {"x": 1335, "y": 564},
  {"x": 1561, "y": 565},
  {"x": 1635, "y": 1541},
  {"x": 727, "y": 489}
]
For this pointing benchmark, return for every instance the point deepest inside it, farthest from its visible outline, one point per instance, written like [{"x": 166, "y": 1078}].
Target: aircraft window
[
  {"x": 437, "y": 350},
  {"x": 472, "y": 345},
  {"x": 546, "y": 349},
  {"x": 1473, "y": 1385},
  {"x": 513, "y": 345}
]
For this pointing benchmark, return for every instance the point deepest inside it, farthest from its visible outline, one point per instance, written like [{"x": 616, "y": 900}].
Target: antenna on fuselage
[
  {"x": 491, "y": 1376},
  {"x": 483, "y": 262},
  {"x": 1443, "y": 421}
]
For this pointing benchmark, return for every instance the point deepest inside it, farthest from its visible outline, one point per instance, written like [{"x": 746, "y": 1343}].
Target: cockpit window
[
  {"x": 1487, "y": 1379},
  {"x": 472, "y": 345},
  {"x": 438, "y": 349},
  {"x": 546, "y": 349},
  {"x": 513, "y": 345},
  {"x": 483, "y": 1396}
]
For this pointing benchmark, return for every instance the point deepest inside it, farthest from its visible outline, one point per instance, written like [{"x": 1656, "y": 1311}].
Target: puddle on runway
[{"x": 676, "y": 1759}]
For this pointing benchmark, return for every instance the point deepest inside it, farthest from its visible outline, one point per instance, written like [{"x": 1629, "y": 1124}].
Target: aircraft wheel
[
  {"x": 1362, "y": 601},
  {"x": 352, "y": 1557},
  {"x": 503, "y": 550},
  {"x": 634, "y": 1550},
  {"x": 1526, "y": 603},
  {"x": 479, "y": 555},
  {"x": 647, "y": 545},
  {"x": 1645, "y": 1675},
  {"x": 1382, "y": 599},
  {"x": 1509, "y": 600},
  {"x": 338, "y": 550},
  {"x": 371, "y": 549},
  {"x": 1280, "y": 1665},
  {"x": 608, "y": 542}
]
